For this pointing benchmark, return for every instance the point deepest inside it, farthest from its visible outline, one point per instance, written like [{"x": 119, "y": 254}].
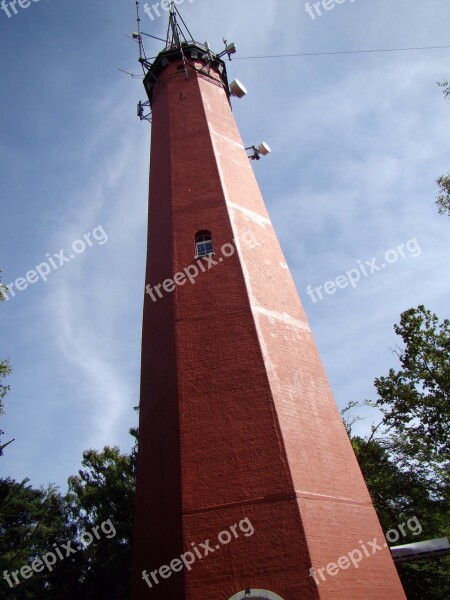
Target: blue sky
[{"x": 357, "y": 143}]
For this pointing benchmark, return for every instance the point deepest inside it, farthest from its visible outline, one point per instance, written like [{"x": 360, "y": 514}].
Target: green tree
[
  {"x": 446, "y": 85},
  {"x": 399, "y": 495},
  {"x": 414, "y": 399},
  {"x": 104, "y": 490},
  {"x": 34, "y": 522},
  {"x": 405, "y": 460},
  {"x": 443, "y": 198},
  {"x": 5, "y": 370},
  {"x": 31, "y": 522},
  {"x": 95, "y": 517}
]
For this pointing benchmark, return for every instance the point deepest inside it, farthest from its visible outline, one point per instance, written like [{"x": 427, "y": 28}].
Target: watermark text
[{"x": 364, "y": 269}]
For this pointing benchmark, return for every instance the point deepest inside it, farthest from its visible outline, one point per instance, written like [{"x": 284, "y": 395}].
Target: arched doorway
[{"x": 255, "y": 595}]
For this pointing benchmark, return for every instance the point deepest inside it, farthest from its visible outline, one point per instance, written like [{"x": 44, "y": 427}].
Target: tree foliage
[
  {"x": 31, "y": 522},
  {"x": 104, "y": 490},
  {"x": 414, "y": 399},
  {"x": 5, "y": 370},
  {"x": 443, "y": 198},
  {"x": 399, "y": 494},
  {"x": 34, "y": 522},
  {"x": 446, "y": 87},
  {"x": 405, "y": 460}
]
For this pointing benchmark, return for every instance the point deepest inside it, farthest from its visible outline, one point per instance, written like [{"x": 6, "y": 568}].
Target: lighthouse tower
[{"x": 247, "y": 485}]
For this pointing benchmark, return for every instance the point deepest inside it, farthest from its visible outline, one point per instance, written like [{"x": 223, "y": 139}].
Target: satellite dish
[
  {"x": 237, "y": 89},
  {"x": 264, "y": 149}
]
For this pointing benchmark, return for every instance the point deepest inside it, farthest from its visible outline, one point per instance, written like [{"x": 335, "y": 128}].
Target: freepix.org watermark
[
  {"x": 365, "y": 550},
  {"x": 191, "y": 272},
  {"x": 61, "y": 552},
  {"x": 200, "y": 551},
  {"x": 364, "y": 269},
  {"x": 10, "y": 7},
  {"x": 153, "y": 11},
  {"x": 43, "y": 270},
  {"x": 323, "y": 4}
]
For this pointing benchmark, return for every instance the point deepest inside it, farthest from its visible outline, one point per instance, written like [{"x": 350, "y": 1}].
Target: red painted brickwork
[{"x": 237, "y": 418}]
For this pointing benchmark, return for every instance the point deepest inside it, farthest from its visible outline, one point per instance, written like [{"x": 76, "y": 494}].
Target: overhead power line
[{"x": 343, "y": 52}]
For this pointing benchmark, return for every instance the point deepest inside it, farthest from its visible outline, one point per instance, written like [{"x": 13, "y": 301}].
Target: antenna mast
[
  {"x": 179, "y": 44},
  {"x": 173, "y": 37},
  {"x": 174, "y": 31},
  {"x": 142, "y": 56}
]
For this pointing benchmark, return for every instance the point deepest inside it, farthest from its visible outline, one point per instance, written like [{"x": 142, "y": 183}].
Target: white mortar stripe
[
  {"x": 315, "y": 496},
  {"x": 227, "y": 139},
  {"x": 281, "y": 317},
  {"x": 249, "y": 213}
]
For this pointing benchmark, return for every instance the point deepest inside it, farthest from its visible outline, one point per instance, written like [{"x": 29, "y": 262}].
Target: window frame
[{"x": 203, "y": 238}]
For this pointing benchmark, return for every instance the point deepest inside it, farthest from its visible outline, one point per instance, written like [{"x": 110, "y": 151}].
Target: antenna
[
  {"x": 133, "y": 75},
  {"x": 262, "y": 150},
  {"x": 229, "y": 49},
  {"x": 237, "y": 89},
  {"x": 179, "y": 44},
  {"x": 174, "y": 31},
  {"x": 142, "y": 56},
  {"x": 145, "y": 64},
  {"x": 140, "y": 111}
]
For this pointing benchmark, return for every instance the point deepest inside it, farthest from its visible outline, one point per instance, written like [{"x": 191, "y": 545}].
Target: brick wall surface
[{"x": 237, "y": 418}]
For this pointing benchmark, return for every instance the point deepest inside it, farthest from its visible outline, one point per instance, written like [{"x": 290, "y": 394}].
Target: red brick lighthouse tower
[{"x": 247, "y": 485}]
